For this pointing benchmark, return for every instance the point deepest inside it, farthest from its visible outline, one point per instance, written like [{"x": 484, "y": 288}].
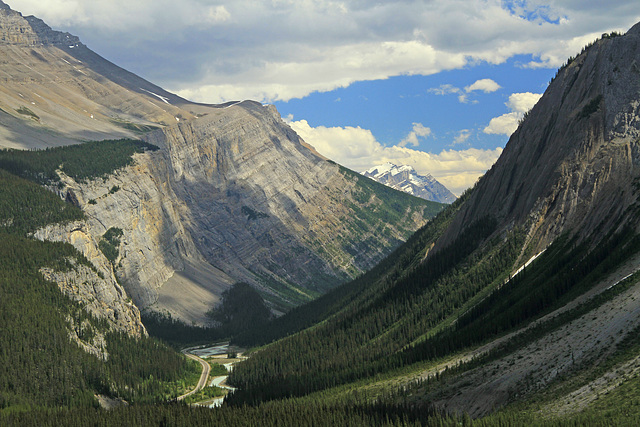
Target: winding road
[{"x": 204, "y": 377}]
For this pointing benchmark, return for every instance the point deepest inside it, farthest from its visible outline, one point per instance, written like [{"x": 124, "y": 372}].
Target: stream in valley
[{"x": 216, "y": 353}]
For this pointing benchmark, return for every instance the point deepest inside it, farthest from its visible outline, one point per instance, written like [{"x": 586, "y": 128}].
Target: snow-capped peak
[{"x": 405, "y": 178}]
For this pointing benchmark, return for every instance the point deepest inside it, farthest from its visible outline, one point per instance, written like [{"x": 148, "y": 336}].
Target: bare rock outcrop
[
  {"x": 56, "y": 91},
  {"x": 96, "y": 288},
  {"x": 235, "y": 195},
  {"x": 572, "y": 164}
]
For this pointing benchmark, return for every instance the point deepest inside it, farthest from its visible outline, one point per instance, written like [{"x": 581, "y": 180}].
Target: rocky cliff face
[
  {"x": 233, "y": 194},
  {"x": 30, "y": 31},
  {"x": 237, "y": 196},
  {"x": 405, "y": 178},
  {"x": 573, "y": 164},
  {"x": 96, "y": 288}
]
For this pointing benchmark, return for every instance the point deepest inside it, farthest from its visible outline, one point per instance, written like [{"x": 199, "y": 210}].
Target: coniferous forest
[
  {"x": 390, "y": 348},
  {"x": 41, "y": 367},
  {"x": 400, "y": 315}
]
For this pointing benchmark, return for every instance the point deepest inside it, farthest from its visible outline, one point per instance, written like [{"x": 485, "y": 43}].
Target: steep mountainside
[
  {"x": 573, "y": 163},
  {"x": 233, "y": 194},
  {"x": 55, "y": 91},
  {"x": 405, "y": 178},
  {"x": 524, "y": 290}
]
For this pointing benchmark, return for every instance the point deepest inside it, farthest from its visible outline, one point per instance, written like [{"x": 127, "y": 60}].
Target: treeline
[
  {"x": 95, "y": 159},
  {"x": 397, "y": 204},
  {"x": 178, "y": 334},
  {"x": 280, "y": 414},
  {"x": 358, "y": 291},
  {"x": 563, "y": 272},
  {"x": 39, "y": 363},
  {"x": 41, "y": 366},
  {"x": 621, "y": 407}
]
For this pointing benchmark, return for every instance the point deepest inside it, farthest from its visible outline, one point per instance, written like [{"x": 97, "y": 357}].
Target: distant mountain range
[
  {"x": 405, "y": 178},
  {"x": 520, "y": 297}
]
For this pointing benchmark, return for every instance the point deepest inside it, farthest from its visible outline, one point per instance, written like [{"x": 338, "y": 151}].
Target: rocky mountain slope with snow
[
  {"x": 405, "y": 178},
  {"x": 233, "y": 194},
  {"x": 55, "y": 91}
]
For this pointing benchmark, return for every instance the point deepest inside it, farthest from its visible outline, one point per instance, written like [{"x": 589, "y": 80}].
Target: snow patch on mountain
[{"x": 405, "y": 178}]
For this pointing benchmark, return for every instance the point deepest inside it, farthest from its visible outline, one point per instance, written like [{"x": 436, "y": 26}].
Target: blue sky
[
  {"x": 437, "y": 84},
  {"x": 390, "y": 107}
]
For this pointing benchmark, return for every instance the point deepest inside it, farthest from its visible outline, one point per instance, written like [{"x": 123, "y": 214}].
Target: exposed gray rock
[
  {"x": 92, "y": 342},
  {"x": 234, "y": 196},
  {"x": 572, "y": 165},
  {"x": 96, "y": 288},
  {"x": 30, "y": 31},
  {"x": 75, "y": 94}
]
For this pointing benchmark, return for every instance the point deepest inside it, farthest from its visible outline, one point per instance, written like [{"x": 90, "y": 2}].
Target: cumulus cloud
[
  {"x": 217, "y": 50},
  {"x": 419, "y": 131},
  {"x": 462, "y": 136},
  {"x": 484, "y": 85},
  {"x": 358, "y": 149},
  {"x": 519, "y": 104},
  {"x": 447, "y": 89}
]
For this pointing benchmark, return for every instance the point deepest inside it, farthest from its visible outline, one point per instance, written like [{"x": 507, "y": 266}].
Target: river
[{"x": 220, "y": 350}]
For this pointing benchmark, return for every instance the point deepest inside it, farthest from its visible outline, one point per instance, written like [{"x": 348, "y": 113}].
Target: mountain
[
  {"x": 515, "y": 305},
  {"x": 55, "y": 91},
  {"x": 520, "y": 297},
  {"x": 579, "y": 172},
  {"x": 405, "y": 178},
  {"x": 232, "y": 194}
]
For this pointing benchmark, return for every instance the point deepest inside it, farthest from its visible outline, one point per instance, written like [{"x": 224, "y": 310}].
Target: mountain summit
[
  {"x": 232, "y": 194},
  {"x": 574, "y": 162},
  {"x": 405, "y": 178},
  {"x": 56, "y": 91},
  {"x": 30, "y": 31}
]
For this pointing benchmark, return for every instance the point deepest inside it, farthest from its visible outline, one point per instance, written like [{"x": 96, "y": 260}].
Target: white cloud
[
  {"x": 448, "y": 89},
  {"x": 217, "y": 50},
  {"x": 484, "y": 85},
  {"x": 325, "y": 70},
  {"x": 217, "y": 14},
  {"x": 505, "y": 124},
  {"x": 419, "y": 131},
  {"x": 357, "y": 148},
  {"x": 445, "y": 89},
  {"x": 522, "y": 102},
  {"x": 519, "y": 104},
  {"x": 462, "y": 136}
]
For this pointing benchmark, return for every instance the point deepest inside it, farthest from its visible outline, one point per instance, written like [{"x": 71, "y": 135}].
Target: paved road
[{"x": 204, "y": 377}]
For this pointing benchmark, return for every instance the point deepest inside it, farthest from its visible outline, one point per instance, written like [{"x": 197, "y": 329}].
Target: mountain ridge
[
  {"x": 586, "y": 128},
  {"x": 232, "y": 194},
  {"x": 522, "y": 289},
  {"x": 405, "y": 178}
]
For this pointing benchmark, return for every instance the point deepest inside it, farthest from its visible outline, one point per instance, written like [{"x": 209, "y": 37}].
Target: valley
[{"x": 166, "y": 262}]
